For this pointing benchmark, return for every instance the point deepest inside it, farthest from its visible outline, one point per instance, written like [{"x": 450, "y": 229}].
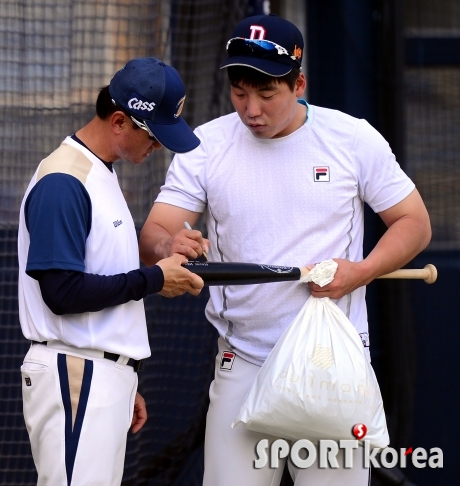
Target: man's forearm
[
  {"x": 408, "y": 233},
  {"x": 402, "y": 242},
  {"x": 154, "y": 243}
]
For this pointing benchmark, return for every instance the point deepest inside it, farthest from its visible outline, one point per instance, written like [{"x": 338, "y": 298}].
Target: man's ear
[
  {"x": 118, "y": 121},
  {"x": 300, "y": 85}
]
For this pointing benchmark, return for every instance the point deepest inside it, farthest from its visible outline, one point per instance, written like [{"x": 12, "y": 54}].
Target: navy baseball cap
[
  {"x": 153, "y": 92},
  {"x": 267, "y": 43}
]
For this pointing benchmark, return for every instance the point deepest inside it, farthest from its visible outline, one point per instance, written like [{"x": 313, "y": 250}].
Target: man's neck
[{"x": 96, "y": 137}]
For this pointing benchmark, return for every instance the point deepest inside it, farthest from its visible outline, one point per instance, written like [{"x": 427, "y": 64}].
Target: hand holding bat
[
  {"x": 177, "y": 280},
  {"x": 348, "y": 277}
]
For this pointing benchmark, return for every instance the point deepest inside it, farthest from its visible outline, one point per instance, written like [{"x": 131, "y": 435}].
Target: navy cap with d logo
[
  {"x": 266, "y": 43},
  {"x": 151, "y": 91}
]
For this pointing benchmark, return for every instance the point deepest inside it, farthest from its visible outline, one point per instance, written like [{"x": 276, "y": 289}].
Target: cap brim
[
  {"x": 178, "y": 137},
  {"x": 267, "y": 66}
]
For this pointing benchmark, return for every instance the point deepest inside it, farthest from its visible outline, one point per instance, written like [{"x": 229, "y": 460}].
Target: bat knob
[{"x": 431, "y": 273}]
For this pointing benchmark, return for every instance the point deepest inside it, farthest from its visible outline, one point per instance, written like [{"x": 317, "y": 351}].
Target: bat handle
[{"x": 429, "y": 273}]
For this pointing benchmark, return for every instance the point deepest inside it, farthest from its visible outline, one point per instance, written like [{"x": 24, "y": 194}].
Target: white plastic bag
[{"x": 317, "y": 382}]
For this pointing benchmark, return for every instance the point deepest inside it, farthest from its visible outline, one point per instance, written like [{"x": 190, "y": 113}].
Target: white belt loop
[{"x": 122, "y": 360}]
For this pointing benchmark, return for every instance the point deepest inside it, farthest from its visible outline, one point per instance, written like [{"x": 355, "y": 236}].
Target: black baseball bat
[
  {"x": 223, "y": 273},
  {"x": 233, "y": 273}
]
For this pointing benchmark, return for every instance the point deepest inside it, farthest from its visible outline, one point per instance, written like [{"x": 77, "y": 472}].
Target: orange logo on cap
[{"x": 297, "y": 52}]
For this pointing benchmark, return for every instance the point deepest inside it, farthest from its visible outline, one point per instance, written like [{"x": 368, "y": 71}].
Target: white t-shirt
[{"x": 290, "y": 201}]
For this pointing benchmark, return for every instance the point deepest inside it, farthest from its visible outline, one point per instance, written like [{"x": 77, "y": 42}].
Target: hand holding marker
[{"x": 187, "y": 226}]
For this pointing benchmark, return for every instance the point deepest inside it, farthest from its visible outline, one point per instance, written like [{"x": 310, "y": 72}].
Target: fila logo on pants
[{"x": 226, "y": 360}]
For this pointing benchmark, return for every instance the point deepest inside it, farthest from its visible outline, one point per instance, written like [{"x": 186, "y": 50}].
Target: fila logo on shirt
[
  {"x": 321, "y": 174},
  {"x": 226, "y": 360}
]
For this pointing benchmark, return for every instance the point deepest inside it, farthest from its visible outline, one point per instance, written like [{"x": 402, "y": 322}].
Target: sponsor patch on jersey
[
  {"x": 321, "y": 174},
  {"x": 364, "y": 338},
  {"x": 226, "y": 360},
  {"x": 28, "y": 381}
]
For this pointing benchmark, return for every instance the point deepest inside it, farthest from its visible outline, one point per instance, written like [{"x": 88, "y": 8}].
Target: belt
[{"x": 136, "y": 364}]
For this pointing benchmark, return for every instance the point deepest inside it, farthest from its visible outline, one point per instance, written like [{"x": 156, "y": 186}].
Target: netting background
[
  {"x": 433, "y": 121},
  {"x": 55, "y": 55}
]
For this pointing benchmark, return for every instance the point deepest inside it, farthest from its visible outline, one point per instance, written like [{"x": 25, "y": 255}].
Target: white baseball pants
[{"x": 78, "y": 410}]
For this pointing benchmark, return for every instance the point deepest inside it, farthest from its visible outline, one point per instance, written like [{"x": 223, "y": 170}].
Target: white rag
[{"x": 322, "y": 273}]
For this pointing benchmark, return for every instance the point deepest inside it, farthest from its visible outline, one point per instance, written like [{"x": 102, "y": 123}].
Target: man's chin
[{"x": 260, "y": 133}]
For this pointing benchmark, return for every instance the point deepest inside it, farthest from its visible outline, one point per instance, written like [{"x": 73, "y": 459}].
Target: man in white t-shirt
[
  {"x": 280, "y": 182},
  {"x": 80, "y": 285}
]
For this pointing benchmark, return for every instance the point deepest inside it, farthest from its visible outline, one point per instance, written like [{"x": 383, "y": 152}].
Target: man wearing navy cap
[
  {"x": 80, "y": 286},
  {"x": 281, "y": 182}
]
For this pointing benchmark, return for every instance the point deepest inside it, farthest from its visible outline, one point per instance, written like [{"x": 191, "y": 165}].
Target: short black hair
[
  {"x": 256, "y": 79},
  {"x": 105, "y": 106}
]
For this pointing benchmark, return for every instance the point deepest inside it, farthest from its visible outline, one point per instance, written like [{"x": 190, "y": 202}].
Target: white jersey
[
  {"x": 111, "y": 248},
  {"x": 288, "y": 201}
]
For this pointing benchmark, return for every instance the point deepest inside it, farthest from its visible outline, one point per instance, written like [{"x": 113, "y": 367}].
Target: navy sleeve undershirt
[
  {"x": 70, "y": 292},
  {"x": 58, "y": 218}
]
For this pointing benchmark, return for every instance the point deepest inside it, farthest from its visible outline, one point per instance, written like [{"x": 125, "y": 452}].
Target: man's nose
[{"x": 253, "y": 107}]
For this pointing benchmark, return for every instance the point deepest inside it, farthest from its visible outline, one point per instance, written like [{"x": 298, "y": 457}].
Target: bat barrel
[{"x": 223, "y": 273}]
